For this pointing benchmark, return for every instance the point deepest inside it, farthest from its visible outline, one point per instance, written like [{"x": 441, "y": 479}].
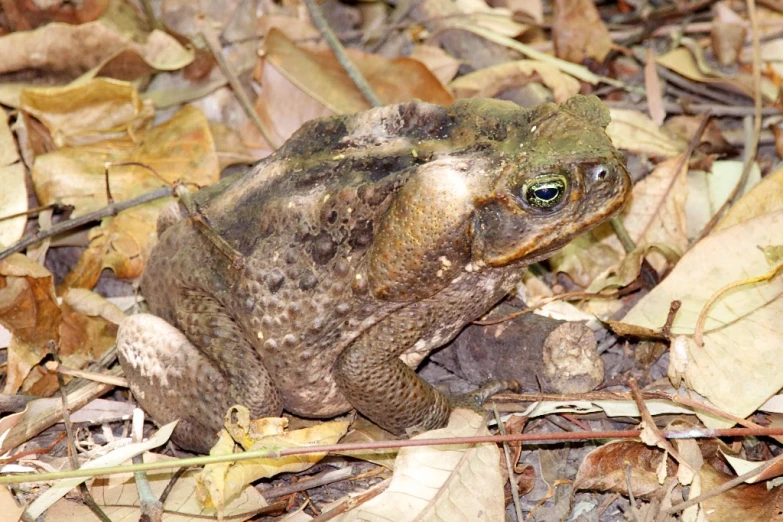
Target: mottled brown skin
[{"x": 368, "y": 240}]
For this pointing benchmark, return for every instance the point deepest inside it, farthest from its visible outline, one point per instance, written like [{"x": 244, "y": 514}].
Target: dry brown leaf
[
  {"x": 13, "y": 197},
  {"x": 441, "y": 64},
  {"x": 605, "y": 469},
  {"x": 23, "y": 16},
  {"x": 748, "y": 503},
  {"x": 121, "y": 244},
  {"x": 28, "y": 308},
  {"x": 445, "y": 483},
  {"x": 633, "y": 131},
  {"x": 490, "y": 81},
  {"x": 712, "y": 140},
  {"x": 84, "y": 113},
  {"x": 578, "y": 32},
  {"x": 682, "y": 62},
  {"x": 735, "y": 368},
  {"x": 311, "y": 84},
  {"x": 74, "y": 49},
  {"x": 495, "y": 19},
  {"x": 219, "y": 484},
  {"x": 87, "y": 331},
  {"x": 180, "y": 149}
]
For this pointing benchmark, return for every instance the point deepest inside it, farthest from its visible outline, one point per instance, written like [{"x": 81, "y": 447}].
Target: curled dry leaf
[
  {"x": 84, "y": 113},
  {"x": 683, "y": 63},
  {"x": 441, "y": 483},
  {"x": 74, "y": 49},
  {"x": 88, "y": 329},
  {"x": 746, "y": 502},
  {"x": 312, "y": 84},
  {"x": 735, "y": 368},
  {"x": 440, "y": 63},
  {"x": 219, "y": 484},
  {"x": 13, "y": 197},
  {"x": 180, "y": 149},
  {"x": 28, "y": 308},
  {"x": 490, "y": 81},
  {"x": 634, "y": 131},
  {"x": 578, "y": 32},
  {"x": 606, "y": 468}
]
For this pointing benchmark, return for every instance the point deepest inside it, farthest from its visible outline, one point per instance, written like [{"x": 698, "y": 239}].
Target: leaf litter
[{"x": 104, "y": 103}]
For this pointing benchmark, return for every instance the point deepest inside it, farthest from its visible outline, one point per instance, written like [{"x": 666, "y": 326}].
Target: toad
[{"x": 367, "y": 240}]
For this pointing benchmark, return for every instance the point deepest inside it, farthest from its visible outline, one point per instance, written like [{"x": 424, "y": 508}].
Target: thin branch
[
  {"x": 753, "y": 145},
  {"x": 209, "y": 37},
  {"x": 386, "y": 444},
  {"x": 339, "y": 52},
  {"x": 65, "y": 226}
]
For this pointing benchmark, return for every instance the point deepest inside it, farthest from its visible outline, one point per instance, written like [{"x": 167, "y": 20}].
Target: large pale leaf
[
  {"x": 737, "y": 367},
  {"x": 636, "y": 132},
  {"x": 13, "y": 197},
  {"x": 491, "y": 81},
  {"x": 445, "y": 483}
]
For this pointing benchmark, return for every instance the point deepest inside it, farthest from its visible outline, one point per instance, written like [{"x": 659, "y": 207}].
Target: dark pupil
[{"x": 546, "y": 193}]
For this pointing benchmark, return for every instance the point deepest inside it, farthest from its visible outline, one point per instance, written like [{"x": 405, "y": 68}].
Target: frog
[{"x": 362, "y": 244}]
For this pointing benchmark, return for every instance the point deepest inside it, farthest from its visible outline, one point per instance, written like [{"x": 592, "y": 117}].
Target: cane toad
[{"x": 367, "y": 240}]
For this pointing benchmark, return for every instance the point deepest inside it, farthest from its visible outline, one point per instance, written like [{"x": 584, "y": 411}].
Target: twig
[
  {"x": 512, "y": 481},
  {"x": 736, "y": 481},
  {"x": 752, "y": 148},
  {"x": 90, "y": 376},
  {"x": 352, "y": 502},
  {"x": 376, "y": 445},
  {"x": 327, "y": 477},
  {"x": 86, "y": 496},
  {"x": 209, "y": 37},
  {"x": 109, "y": 210},
  {"x": 150, "y": 507},
  {"x": 696, "y": 108},
  {"x": 339, "y": 52},
  {"x": 197, "y": 216}
]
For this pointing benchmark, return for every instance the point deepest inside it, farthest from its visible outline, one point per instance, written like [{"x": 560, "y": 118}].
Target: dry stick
[
  {"x": 752, "y": 148},
  {"x": 696, "y": 108},
  {"x": 109, "y": 210},
  {"x": 509, "y": 467},
  {"x": 209, "y": 37},
  {"x": 365, "y": 446},
  {"x": 339, "y": 52},
  {"x": 86, "y": 496},
  {"x": 650, "y": 423},
  {"x": 150, "y": 507},
  {"x": 197, "y": 216}
]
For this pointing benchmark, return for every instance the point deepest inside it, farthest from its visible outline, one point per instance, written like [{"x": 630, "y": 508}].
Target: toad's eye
[{"x": 545, "y": 192}]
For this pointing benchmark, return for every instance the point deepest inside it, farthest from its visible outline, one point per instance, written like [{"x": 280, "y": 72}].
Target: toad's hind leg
[{"x": 173, "y": 379}]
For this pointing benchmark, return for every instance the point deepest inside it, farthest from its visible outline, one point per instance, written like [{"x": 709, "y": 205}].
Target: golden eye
[{"x": 545, "y": 192}]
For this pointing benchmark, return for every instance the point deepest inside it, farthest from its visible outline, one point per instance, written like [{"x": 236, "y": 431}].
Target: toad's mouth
[{"x": 498, "y": 248}]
